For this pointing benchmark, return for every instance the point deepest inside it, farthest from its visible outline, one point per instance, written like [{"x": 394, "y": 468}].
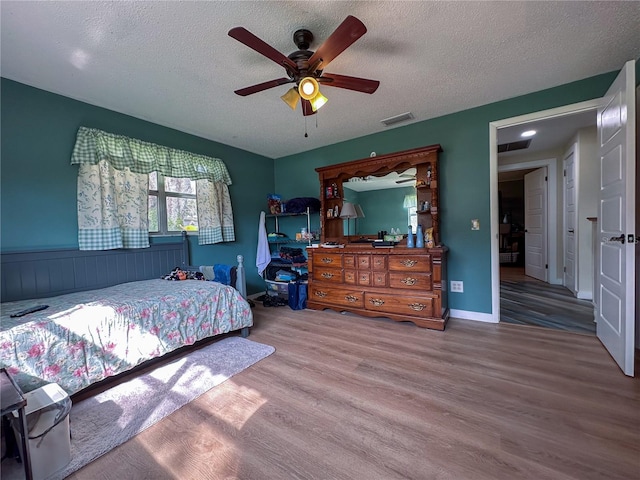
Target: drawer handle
[
  {"x": 418, "y": 307},
  {"x": 320, "y": 293},
  {"x": 363, "y": 277},
  {"x": 351, "y": 298},
  {"x": 326, "y": 260},
  {"x": 327, "y": 275},
  {"x": 409, "y": 263},
  {"x": 376, "y": 301},
  {"x": 378, "y": 262},
  {"x": 409, "y": 281}
]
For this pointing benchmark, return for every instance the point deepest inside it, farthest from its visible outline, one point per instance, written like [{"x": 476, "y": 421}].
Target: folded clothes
[
  {"x": 179, "y": 274},
  {"x": 222, "y": 273}
]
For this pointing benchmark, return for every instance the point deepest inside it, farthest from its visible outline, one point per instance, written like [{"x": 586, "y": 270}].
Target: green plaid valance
[{"x": 93, "y": 146}]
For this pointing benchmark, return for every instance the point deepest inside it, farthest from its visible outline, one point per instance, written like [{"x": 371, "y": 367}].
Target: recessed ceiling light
[{"x": 528, "y": 133}]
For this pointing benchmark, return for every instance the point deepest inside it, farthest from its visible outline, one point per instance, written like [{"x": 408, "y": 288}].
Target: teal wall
[
  {"x": 38, "y": 184},
  {"x": 464, "y": 175}
]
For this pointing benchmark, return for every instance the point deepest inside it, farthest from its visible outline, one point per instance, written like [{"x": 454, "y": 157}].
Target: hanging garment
[{"x": 263, "y": 255}]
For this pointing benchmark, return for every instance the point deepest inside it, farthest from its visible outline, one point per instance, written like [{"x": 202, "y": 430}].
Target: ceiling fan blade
[
  {"x": 306, "y": 107},
  {"x": 250, "y": 40},
  {"x": 407, "y": 180},
  {"x": 350, "y": 83},
  {"x": 350, "y": 30},
  {"x": 243, "y": 92}
]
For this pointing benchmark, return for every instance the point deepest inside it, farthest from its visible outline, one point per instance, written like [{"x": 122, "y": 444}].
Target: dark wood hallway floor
[{"x": 527, "y": 301}]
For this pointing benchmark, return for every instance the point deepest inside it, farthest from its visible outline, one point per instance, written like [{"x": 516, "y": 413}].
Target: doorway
[
  {"x": 525, "y": 300},
  {"x": 537, "y": 295}
]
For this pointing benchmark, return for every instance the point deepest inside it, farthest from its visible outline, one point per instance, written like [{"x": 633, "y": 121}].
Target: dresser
[{"x": 400, "y": 283}]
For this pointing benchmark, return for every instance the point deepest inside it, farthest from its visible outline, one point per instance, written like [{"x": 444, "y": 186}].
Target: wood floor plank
[
  {"x": 527, "y": 301},
  {"x": 346, "y": 397}
]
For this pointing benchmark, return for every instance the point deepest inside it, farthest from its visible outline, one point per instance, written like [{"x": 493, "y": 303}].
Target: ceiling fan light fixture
[
  {"x": 291, "y": 98},
  {"x": 318, "y": 101},
  {"x": 308, "y": 88}
]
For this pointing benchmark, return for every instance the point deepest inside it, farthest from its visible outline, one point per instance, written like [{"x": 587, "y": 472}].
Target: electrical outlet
[{"x": 457, "y": 286}]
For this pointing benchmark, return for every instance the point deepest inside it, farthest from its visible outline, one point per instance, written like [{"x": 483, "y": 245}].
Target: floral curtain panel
[
  {"x": 113, "y": 190},
  {"x": 215, "y": 218}
]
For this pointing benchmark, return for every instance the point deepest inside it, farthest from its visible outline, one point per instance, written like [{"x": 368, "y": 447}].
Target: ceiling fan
[
  {"x": 305, "y": 68},
  {"x": 406, "y": 178}
]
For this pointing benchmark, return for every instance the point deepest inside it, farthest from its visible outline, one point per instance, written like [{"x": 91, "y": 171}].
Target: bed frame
[{"x": 42, "y": 274}]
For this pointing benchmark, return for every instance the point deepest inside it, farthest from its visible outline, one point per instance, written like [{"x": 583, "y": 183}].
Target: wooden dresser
[{"x": 403, "y": 284}]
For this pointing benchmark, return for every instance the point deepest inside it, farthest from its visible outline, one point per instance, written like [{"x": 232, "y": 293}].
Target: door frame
[
  {"x": 552, "y": 209},
  {"x": 493, "y": 182}
]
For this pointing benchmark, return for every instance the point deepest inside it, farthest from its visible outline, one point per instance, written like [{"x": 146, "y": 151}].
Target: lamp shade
[
  {"x": 318, "y": 101},
  {"x": 348, "y": 211},
  {"x": 291, "y": 98}
]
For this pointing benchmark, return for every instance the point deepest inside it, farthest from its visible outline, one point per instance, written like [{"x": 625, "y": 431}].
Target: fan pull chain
[{"x": 305, "y": 127}]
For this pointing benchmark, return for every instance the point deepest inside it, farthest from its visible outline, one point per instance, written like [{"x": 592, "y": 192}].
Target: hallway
[{"x": 527, "y": 301}]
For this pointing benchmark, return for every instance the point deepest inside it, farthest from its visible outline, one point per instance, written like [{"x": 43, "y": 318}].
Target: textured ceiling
[{"x": 172, "y": 63}]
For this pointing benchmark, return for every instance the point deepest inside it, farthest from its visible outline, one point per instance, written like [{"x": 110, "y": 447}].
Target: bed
[{"x": 108, "y": 313}]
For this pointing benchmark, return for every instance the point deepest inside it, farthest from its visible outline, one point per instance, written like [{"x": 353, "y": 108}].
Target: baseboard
[
  {"x": 476, "y": 316},
  {"x": 584, "y": 295}
]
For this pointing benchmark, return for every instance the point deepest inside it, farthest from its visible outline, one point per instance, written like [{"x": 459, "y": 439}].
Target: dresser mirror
[{"x": 383, "y": 203}]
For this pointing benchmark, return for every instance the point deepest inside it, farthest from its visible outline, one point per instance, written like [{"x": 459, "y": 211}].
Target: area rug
[{"x": 109, "y": 419}]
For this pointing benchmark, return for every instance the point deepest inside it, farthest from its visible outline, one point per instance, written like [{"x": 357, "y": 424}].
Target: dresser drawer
[
  {"x": 349, "y": 261},
  {"x": 350, "y": 276},
  {"x": 416, "y": 306},
  {"x": 364, "y": 262},
  {"x": 343, "y": 297},
  {"x": 322, "y": 259},
  {"x": 364, "y": 277},
  {"x": 379, "y": 279},
  {"x": 323, "y": 274},
  {"x": 411, "y": 281},
  {"x": 379, "y": 262},
  {"x": 409, "y": 263}
]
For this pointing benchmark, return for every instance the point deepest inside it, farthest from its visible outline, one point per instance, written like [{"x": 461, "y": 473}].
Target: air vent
[
  {"x": 403, "y": 117},
  {"x": 510, "y": 147}
]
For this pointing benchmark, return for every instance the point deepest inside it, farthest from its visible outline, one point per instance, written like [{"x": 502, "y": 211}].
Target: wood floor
[
  {"x": 345, "y": 397},
  {"x": 527, "y": 301}
]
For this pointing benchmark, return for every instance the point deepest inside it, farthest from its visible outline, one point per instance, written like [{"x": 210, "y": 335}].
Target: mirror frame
[{"x": 420, "y": 158}]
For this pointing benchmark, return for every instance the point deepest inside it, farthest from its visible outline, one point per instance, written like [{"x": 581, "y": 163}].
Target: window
[
  {"x": 413, "y": 218},
  {"x": 172, "y": 205}
]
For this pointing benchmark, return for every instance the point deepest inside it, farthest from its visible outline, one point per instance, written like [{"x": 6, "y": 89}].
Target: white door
[
  {"x": 615, "y": 276},
  {"x": 535, "y": 224},
  {"x": 569, "y": 235}
]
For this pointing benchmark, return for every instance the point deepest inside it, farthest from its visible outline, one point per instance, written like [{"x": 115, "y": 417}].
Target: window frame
[{"x": 161, "y": 198}]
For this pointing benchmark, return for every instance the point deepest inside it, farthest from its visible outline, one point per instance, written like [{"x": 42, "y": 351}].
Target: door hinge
[
  {"x": 564, "y": 173},
  {"x": 546, "y": 266},
  {"x": 546, "y": 179},
  {"x": 564, "y": 269}
]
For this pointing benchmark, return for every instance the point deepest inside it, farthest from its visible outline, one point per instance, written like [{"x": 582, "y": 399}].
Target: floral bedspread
[{"x": 85, "y": 337}]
